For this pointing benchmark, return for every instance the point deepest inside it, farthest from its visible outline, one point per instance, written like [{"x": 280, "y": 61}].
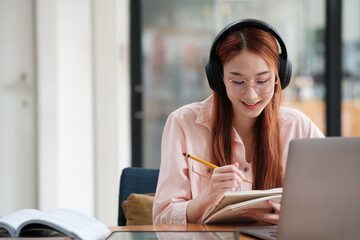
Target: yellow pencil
[
  {"x": 200, "y": 160},
  {"x": 207, "y": 163}
]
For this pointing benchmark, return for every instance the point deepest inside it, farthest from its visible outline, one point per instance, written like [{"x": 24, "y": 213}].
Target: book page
[
  {"x": 74, "y": 224},
  {"x": 236, "y": 197},
  {"x": 232, "y": 213},
  {"x": 12, "y": 221}
]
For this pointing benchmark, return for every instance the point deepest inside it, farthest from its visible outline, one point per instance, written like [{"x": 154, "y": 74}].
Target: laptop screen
[
  {"x": 321, "y": 194},
  {"x": 321, "y": 198}
]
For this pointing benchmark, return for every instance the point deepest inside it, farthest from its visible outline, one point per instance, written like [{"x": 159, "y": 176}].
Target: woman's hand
[
  {"x": 225, "y": 178},
  {"x": 265, "y": 215}
]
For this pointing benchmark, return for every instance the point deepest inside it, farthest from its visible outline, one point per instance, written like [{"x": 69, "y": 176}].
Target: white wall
[
  {"x": 83, "y": 106},
  {"x": 65, "y": 111},
  {"x": 18, "y": 164},
  {"x": 112, "y": 103}
]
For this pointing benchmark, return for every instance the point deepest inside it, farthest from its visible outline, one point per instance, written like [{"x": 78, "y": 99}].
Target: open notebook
[{"x": 321, "y": 195}]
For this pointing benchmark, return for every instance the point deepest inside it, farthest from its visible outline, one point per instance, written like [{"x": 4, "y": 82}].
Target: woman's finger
[
  {"x": 275, "y": 205},
  {"x": 259, "y": 215},
  {"x": 230, "y": 169}
]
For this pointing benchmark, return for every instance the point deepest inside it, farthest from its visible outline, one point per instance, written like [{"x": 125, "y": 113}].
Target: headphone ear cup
[
  {"x": 214, "y": 75},
  {"x": 209, "y": 75},
  {"x": 285, "y": 69}
]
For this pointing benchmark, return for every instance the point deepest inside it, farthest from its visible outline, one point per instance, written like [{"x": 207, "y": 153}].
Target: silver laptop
[{"x": 321, "y": 197}]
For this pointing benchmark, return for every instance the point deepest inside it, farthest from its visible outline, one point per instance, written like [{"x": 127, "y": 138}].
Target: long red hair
[{"x": 267, "y": 147}]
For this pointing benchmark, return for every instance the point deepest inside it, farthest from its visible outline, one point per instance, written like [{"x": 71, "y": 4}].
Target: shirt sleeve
[{"x": 173, "y": 191}]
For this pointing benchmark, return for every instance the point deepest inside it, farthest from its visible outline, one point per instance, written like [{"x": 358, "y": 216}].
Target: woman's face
[{"x": 249, "y": 84}]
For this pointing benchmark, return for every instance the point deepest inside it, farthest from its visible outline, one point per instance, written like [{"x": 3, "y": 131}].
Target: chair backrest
[{"x": 135, "y": 180}]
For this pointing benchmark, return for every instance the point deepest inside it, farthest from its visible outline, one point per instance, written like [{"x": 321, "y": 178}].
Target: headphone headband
[{"x": 214, "y": 69}]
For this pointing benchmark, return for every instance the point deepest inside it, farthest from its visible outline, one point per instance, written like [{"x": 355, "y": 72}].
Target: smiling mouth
[{"x": 251, "y": 105}]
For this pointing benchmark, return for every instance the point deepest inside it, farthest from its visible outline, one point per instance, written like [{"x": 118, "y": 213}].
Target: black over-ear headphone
[{"x": 214, "y": 70}]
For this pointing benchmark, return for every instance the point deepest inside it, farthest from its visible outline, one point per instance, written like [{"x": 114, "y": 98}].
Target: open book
[
  {"x": 232, "y": 204},
  {"x": 57, "y": 223}
]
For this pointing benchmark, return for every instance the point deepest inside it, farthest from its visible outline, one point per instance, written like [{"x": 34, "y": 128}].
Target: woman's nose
[{"x": 250, "y": 92}]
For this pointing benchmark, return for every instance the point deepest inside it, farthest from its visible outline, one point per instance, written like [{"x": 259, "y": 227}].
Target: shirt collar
[{"x": 204, "y": 117}]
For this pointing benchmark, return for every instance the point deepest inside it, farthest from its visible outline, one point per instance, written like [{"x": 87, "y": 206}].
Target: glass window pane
[
  {"x": 350, "y": 113},
  {"x": 176, "y": 39}
]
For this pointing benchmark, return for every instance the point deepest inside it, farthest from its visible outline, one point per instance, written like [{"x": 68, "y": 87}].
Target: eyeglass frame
[{"x": 252, "y": 85}]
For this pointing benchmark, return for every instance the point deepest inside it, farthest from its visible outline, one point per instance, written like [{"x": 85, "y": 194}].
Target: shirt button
[{"x": 246, "y": 169}]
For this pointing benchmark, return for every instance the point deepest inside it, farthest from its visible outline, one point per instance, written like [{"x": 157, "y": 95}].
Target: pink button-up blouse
[{"x": 188, "y": 129}]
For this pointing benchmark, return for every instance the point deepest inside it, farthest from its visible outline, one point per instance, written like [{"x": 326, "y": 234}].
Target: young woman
[{"x": 241, "y": 128}]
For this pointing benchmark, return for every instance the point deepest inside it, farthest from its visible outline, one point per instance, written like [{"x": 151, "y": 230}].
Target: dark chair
[{"x": 135, "y": 180}]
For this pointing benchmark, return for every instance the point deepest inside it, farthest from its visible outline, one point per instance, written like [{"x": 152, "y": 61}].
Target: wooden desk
[
  {"x": 37, "y": 238},
  {"x": 183, "y": 227}
]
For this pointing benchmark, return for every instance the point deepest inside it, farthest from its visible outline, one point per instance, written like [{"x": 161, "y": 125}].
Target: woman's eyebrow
[
  {"x": 262, "y": 73},
  {"x": 236, "y": 73},
  {"x": 258, "y": 74}
]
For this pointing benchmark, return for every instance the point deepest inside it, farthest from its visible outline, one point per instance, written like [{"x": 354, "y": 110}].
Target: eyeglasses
[{"x": 238, "y": 87}]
